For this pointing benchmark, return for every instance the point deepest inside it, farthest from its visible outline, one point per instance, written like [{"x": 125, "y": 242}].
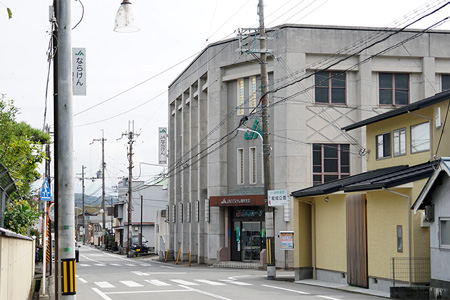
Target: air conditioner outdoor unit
[
  {"x": 423, "y": 221},
  {"x": 429, "y": 213}
]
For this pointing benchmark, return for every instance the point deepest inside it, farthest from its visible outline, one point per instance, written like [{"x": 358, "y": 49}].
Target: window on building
[
  {"x": 252, "y": 165},
  {"x": 383, "y": 143},
  {"x": 240, "y": 97},
  {"x": 444, "y": 230},
  {"x": 252, "y": 83},
  {"x": 394, "y": 89},
  {"x": 330, "y": 87},
  {"x": 400, "y": 142},
  {"x": 240, "y": 166},
  {"x": 399, "y": 238},
  {"x": 420, "y": 137},
  {"x": 445, "y": 82},
  {"x": 330, "y": 162}
]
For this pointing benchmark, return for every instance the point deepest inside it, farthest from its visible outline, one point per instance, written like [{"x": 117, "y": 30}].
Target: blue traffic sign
[{"x": 46, "y": 194}]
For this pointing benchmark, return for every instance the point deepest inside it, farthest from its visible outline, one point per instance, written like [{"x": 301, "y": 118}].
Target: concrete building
[
  {"x": 154, "y": 198},
  {"x": 320, "y": 80}
]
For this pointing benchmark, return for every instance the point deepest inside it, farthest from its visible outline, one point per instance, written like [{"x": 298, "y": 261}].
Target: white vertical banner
[
  {"x": 79, "y": 71},
  {"x": 162, "y": 145}
]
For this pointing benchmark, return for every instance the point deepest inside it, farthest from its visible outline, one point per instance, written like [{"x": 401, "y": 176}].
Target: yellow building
[{"x": 360, "y": 229}]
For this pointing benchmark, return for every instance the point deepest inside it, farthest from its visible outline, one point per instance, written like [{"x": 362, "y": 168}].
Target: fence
[
  {"x": 7, "y": 188},
  {"x": 410, "y": 271}
]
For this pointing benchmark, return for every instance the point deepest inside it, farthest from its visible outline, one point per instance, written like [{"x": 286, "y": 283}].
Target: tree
[{"x": 21, "y": 152}]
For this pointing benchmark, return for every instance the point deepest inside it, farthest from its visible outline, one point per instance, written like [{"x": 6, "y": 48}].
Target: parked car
[
  {"x": 77, "y": 251},
  {"x": 135, "y": 244}
]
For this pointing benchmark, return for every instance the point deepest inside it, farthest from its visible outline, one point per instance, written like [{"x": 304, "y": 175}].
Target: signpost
[
  {"x": 46, "y": 196},
  {"x": 278, "y": 197},
  {"x": 162, "y": 145},
  {"x": 79, "y": 71},
  {"x": 287, "y": 243}
]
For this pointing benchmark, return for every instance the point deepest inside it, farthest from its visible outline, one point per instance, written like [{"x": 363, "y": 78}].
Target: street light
[{"x": 126, "y": 19}]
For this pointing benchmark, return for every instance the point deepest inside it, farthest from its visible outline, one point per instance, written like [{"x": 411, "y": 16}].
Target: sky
[{"x": 128, "y": 74}]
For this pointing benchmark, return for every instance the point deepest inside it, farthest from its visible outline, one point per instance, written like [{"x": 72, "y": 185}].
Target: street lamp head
[{"x": 126, "y": 19}]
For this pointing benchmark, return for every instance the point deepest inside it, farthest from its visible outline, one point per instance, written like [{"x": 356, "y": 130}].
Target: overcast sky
[{"x": 126, "y": 71}]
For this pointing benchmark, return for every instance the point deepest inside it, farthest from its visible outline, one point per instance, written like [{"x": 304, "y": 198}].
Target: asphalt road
[{"x": 102, "y": 275}]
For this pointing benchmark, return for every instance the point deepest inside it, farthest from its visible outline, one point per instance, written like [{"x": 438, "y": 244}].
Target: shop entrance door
[{"x": 250, "y": 241}]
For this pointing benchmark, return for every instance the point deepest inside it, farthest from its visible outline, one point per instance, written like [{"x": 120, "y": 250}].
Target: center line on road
[
  {"x": 289, "y": 290},
  {"x": 204, "y": 293}
]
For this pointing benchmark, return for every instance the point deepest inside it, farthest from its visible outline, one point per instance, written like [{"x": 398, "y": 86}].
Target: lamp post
[{"x": 126, "y": 19}]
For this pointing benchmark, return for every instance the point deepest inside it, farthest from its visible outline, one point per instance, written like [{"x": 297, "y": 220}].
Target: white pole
[{"x": 44, "y": 254}]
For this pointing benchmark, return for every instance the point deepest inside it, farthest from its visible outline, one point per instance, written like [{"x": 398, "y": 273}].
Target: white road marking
[
  {"x": 326, "y": 297},
  {"x": 167, "y": 273},
  {"x": 82, "y": 280},
  {"x": 184, "y": 282},
  {"x": 116, "y": 265},
  {"x": 205, "y": 293},
  {"x": 131, "y": 283},
  {"x": 101, "y": 265},
  {"x": 157, "y": 282},
  {"x": 146, "y": 265},
  {"x": 101, "y": 294},
  {"x": 139, "y": 273},
  {"x": 209, "y": 282},
  {"x": 235, "y": 282},
  {"x": 289, "y": 290},
  {"x": 104, "y": 284},
  {"x": 83, "y": 265},
  {"x": 130, "y": 265}
]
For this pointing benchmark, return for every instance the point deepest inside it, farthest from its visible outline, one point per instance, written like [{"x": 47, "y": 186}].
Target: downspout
[
  {"x": 409, "y": 228},
  {"x": 313, "y": 224},
  {"x": 431, "y": 131}
]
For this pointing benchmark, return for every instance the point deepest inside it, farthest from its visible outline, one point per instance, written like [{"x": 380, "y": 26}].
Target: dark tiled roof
[
  {"x": 402, "y": 110},
  {"x": 372, "y": 180}
]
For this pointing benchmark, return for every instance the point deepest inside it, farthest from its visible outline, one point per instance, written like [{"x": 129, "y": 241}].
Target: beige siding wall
[
  {"x": 406, "y": 121},
  {"x": 384, "y": 212},
  {"x": 303, "y": 234},
  {"x": 331, "y": 253}
]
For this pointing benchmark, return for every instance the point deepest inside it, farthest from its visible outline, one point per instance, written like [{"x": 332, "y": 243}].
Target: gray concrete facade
[{"x": 204, "y": 145}]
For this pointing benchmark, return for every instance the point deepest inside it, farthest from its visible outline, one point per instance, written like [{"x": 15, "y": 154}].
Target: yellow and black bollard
[{"x": 68, "y": 272}]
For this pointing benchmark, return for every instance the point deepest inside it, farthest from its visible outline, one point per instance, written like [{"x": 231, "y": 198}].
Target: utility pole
[
  {"x": 140, "y": 231},
  {"x": 130, "y": 135},
  {"x": 82, "y": 200},
  {"x": 64, "y": 179},
  {"x": 103, "y": 188},
  {"x": 270, "y": 211}
]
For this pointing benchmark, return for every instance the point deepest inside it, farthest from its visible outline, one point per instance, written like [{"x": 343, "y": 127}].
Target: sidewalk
[{"x": 344, "y": 287}]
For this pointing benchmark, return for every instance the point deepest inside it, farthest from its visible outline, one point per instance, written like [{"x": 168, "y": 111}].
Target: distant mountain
[{"x": 88, "y": 200}]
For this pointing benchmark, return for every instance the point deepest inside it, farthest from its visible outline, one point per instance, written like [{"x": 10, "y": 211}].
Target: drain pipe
[
  {"x": 313, "y": 214},
  {"x": 409, "y": 227}
]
